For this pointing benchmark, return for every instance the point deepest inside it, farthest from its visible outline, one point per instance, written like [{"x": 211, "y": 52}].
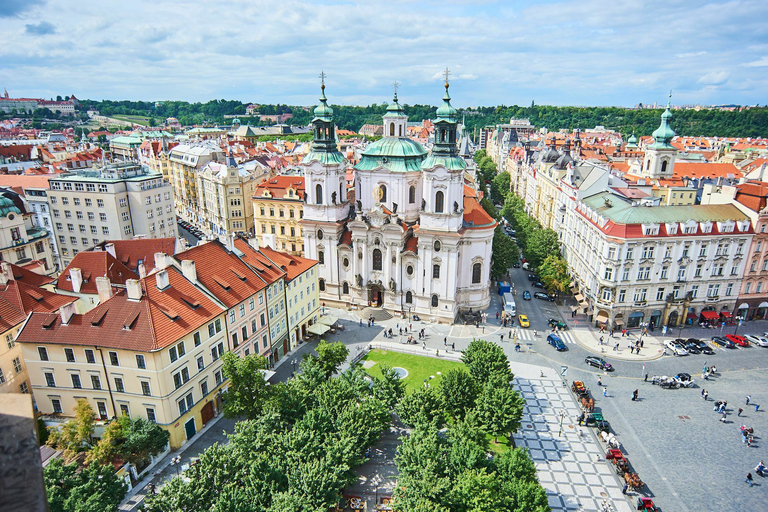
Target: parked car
[
  {"x": 543, "y": 296},
  {"x": 532, "y": 277},
  {"x": 538, "y": 284},
  {"x": 676, "y": 348},
  {"x": 556, "y": 342},
  {"x": 523, "y": 319},
  {"x": 691, "y": 347},
  {"x": 757, "y": 340},
  {"x": 554, "y": 322},
  {"x": 706, "y": 349},
  {"x": 739, "y": 340},
  {"x": 526, "y": 295},
  {"x": 516, "y": 264},
  {"x": 723, "y": 342},
  {"x": 599, "y": 362}
]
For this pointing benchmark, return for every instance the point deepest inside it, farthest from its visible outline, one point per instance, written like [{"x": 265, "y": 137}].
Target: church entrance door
[{"x": 375, "y": 296}]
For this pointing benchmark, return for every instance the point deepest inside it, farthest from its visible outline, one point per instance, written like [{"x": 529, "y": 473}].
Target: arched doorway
[
  {"x": 375, "y": 295},
  {"x": 655, "y": 320},
  {"x": 672, "y": 320},
  {"x": 762, "y": 309}
]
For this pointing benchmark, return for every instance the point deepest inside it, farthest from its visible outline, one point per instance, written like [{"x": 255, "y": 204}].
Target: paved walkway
[{"x": 569, "y": 460}]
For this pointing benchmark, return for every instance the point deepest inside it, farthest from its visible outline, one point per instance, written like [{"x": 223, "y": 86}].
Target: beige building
[
  {"x": 152, "y": 351},
  {"x": 186, "y": 161},
  {"x": 120, "y": 200},
  {"x": 278, "y": 207},
  {"x": 20, "y": 294},
  {"x": 21, "y": 241},
  {"x": 224, "y": 199}
]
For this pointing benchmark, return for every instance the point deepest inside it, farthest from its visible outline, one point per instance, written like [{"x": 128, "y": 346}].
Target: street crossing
[{"x": 527, "y": 335}]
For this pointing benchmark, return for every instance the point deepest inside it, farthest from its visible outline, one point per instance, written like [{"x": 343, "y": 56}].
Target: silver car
[
  {"x": 676, "y": 348},
  {"x": 754, "y": 339}
]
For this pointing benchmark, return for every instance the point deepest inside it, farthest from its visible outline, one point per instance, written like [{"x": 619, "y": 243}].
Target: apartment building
[
  {"x": 278, "y": 207},
  {"x": 152, "y": 350},
  {"x": 220, "y": 270},
  {"x": 639, "y": 265},
  {"x": 20, "y": 294},
  {"x": 78, "y": 279},
  {"x": 224, "y": 198},
  {"x": 21, "y": 241},
  {"x": 121, "y": 200},
  {"x": 302, "y": 292},
  {"x": 186, "y": 160}
]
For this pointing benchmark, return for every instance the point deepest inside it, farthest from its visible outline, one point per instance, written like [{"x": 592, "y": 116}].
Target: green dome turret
[
  {"x": 632, "y": 141},
  {"x": 8, "y": 206},
  {"x": 445, "y": 152},
  {"x": 323, "y": 111},
  {"x": 394, "y": 109},
  {"x": 324, "y": 147},
  {"x": 446, "y": 110},
  {"x": 664, "y": 134}
]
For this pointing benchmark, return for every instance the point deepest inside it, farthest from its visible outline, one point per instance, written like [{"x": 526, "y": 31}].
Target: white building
[{"x": 418, "y": 241}]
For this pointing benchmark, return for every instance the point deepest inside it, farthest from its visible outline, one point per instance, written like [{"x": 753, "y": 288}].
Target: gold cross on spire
[
  {"x": 446, "y": 73},
  {"x": 322, "y": 79}
]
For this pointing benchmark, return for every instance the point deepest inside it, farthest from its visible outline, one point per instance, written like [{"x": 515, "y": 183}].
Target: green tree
[
  {"x": 133, "y": 440},
  {"x": 248, "y": 391},
  {"x": 421, "y": 406},
  {"x": 477, "y": 490},
  {"x": 540, "y": 244},
  {"x": 505, "y": 254},
  {"x": 390, "y": 388},
  {"x": 487, "y": 362},
  {"x": 553, "y": 273},
  {"x": 479, "y": 155},
  {"x": 331, "y": 356},
  {"x": 500, "y": 409},
  {"x": 74, "y": 436},
  {"x": 95, "y": 488},
  {"x": 458, "y": 392},
  {"x": 489, "y": 207},
  {"x": 500, "y": 187}
]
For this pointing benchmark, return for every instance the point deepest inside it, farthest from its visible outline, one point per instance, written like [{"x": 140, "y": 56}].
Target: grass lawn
[
  {"x": 419, "y": 367},
  {"x": 144, "y": 121}
]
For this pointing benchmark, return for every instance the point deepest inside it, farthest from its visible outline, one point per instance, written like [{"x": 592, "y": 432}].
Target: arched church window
[
  {"x": 345, "y": 288},
  {"x": 377, "y": 259},
  {"x": 439, "y": 199},
  {"x": 319, "y": 234},
  {"x": 438, "y": 246},
  {"x": 321, "y": 257},
  {"x": 319, "y": 194},
  {"x": 400, "y": 131},
  {"x": 321, "y": 284},
  {"x": 436, "y": 271},
  {"x": 411, "y": 195},
  {"x": 663, "y": 167},
  {"x": 408, "y": 298},
  {"x": 434, "y": 301},
  {"x": 477, "y": 269},
  {"x": 383, "y": 190},
  {"x": 392, "y": 129}
]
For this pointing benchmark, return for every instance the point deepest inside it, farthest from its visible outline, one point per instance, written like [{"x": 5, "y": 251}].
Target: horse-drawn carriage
[
  {"x": 646, "y": 504},
  {"x": 579, "y": 389},
  {"x": 633, "y": 481},
  {"x": 610, "y": 440},
  {"x": 620, "y": 463},
  {"x": 595, "y": 419},
  {"x": 665, "y": 382}
]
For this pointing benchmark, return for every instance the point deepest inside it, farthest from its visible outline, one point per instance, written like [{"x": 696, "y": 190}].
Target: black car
[
  {"x": 705, "y": 349},
  {"x": 538, "y": 284},
  {"x": 692, "y": 348},
  {"x": 532, "y": 277},
  {"x": 516, "y": 264},
  {"x": 599, "y": 362},
  {"x": 723, "y": 342},
  {"x": 526, "y": 295},
  {"x": 543, "y": 296}
]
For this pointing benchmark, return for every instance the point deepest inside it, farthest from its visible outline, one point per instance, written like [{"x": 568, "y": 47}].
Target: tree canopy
[
  {"x": 248, "y": 390},
  {"x": 94, "y": 488},
  {"x": 505, "y": 254}
]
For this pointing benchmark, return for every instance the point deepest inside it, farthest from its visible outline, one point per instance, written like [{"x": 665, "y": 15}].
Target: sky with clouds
[{"x": 567, "y": 52}]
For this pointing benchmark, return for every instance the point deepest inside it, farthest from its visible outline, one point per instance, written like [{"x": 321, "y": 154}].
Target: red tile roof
[
  {"x": 753, "y": 195},
  {"x": 93, "y": 264},
  {"x": 227, "y": 277},
  {"x": 266, "y": 269},
  {"x": 23, "y": 274},
  {"x": 292, "y": 265},
  {"x": 704, "y": 170},
  {"x": 130, "y": 252},
  {"x": 18, "y": 299},
  {"x": 475, "y": 217},
  {"x": 156, "y": 321},
  {"x": 279, "y": 185}
]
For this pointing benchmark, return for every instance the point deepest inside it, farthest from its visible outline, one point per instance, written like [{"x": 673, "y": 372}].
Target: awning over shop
[
  {"x": 318, "y": 329},
  {"x": 710, "y": 315},
  {"x": 572, "y": 285},
  {"x": 328, "y": 320},
  {"x": 725, "y": 314},
  {"x": 763, "y": 305},
  {"x": 692, "y": 316},
  {"x": 579, "y": 297},
  {"x": 744, "y": 305},
  {"x": 602, "y": 316},
  {"x": 267, "y": 374}
]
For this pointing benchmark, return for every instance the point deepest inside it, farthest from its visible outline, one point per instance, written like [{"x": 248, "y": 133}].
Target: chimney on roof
[
  {"x": 161, "y": 260},
  {"x": 161, "y": 279},
  {"x": 110, "y": 248},
  {"x": 133, "y": 288},
  {"x": 254, "y": 242},
  {"x": 104, "y": 287},
  {"x": 6, "y": 273},
  {"x": 76, "y": 277},
  {"x": 189, "y": 270},
  {"x": 66, "y": 311},
  {"x": 142, "y": 270}
]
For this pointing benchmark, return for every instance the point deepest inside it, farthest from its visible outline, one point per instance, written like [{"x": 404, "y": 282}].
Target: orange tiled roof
[
  {"x": 475, "y": 217},
  {"x": 223, "y": 273},
  {"x": 93, "y": 264},
  {"x": 278, "y": 187},
  {"x": 293, "y": 266},
  {"x": 23, "y": 274},
  {"x": 704, "y": 170},
  {"x": 156, "y": 321},
  {"x": 24, "y": 181},
  {"x": 18, "y": 299},
  {"x": 753, "y": 195},
  {"x": 131, "y": 252},
  {"x": 266, "y": 269}
]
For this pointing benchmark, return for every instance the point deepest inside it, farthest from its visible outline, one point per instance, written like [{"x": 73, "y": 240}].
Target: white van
[{"x": 510, "y": 308}]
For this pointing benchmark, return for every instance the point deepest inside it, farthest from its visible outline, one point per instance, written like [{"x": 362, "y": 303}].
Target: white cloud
[
  {"x": 758, "y": 63},
  {"x": 714, "y": 78}
]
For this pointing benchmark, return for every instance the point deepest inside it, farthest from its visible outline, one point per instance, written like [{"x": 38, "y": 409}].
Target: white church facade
[{"x": 411, "y": 237}]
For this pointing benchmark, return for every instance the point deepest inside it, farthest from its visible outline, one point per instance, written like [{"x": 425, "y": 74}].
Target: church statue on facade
[{"x": 410, "y": 221}]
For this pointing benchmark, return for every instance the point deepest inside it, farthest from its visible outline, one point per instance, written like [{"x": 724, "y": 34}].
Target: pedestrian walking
[
  {"x": 497, "y": 315},
  {"x": 599, "y": 381},
  {"x": 702, "y": 392},
  {"x": 502, "y": 338},
  {"x": 748, "y": 399},
  {"x": 616, "y": 347},
  {"x": 634, "y": 395},
  {"x": 424, "y": 345},
  {"x": 725, "y": 415},
  {"x": 637, "y": 351},
  {"x": 749, "y": 479},
  {"x": 631, "y": 349},
  {"x": 361, "y": 322},
  {"x": 645, "y": 377},
  {"x": 623, "y": 332},
  {"x": 601, "y": 340},
  {"x": 706, "y": 395},
  {"x": 445, "y": 341},
  {"x": 437, "y": 352},
  {"x": 605, "y": 391},
  {"x": 641, "y": 343},
  {"x": 453, "y": 347},
  {"x": 740, "y": 411}
]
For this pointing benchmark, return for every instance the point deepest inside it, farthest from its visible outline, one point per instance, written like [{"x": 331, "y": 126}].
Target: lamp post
[
  {"x": 739, "y": 319},
  {"x": 176, "y": 462}
]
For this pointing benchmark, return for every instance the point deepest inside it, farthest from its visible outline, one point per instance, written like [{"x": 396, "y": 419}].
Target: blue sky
[{"x": 570, "y": 52}]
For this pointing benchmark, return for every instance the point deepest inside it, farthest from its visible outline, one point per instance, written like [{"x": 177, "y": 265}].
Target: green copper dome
[
  {"x": 7, "y": 206},
  {"x": 394, "y": 109},
  {"x": 664, "y": 134},
  {"x": 396, "y": 154},
  {"x": 446, "y": 110},
  {"x": 323, "y": 111}
]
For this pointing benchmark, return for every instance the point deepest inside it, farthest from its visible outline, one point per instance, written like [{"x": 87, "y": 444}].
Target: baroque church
[{"x": 411, "y": 237}]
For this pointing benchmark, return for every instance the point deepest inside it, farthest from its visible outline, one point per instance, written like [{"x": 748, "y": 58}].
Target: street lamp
[
  {"x": 738, "y": 319},
  {"x": 176, "y": 462}
]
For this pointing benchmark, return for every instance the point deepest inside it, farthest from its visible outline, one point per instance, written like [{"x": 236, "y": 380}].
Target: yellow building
[
  {"x": 153, "y": 351},
  {"x": 224, "y": 194},
  {"x": 277, "y": 211},
  {"x": 186, "y": 160},
  {"x": 20, "y": 294}
]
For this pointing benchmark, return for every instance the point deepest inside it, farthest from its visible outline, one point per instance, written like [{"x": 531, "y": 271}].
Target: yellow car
[{"x": 523, "y": 321}]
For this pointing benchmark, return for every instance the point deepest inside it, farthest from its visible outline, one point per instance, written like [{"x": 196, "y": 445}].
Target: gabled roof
[
  {"x": 279, "y": 185},
  {"x": 475, "y": 217},
  {"x": 92, "y": 265},
  {"x": 24, "y": 275},
  {"x": 131, "y": 252},
  {"x": 753, "y": 195},
  {"x": 292, "y": 265},
  {"x": 227, "y": 277},
  {"x": 156, "y": 321},
  {"x": 266, "y": 269},
  {"x": 18, "y": 299}
]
